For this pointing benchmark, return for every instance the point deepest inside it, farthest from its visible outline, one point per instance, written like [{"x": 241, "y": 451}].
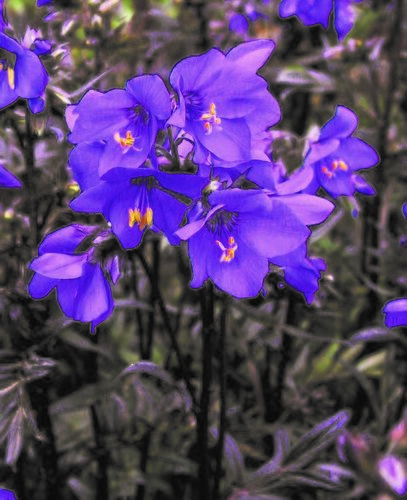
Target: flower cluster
[
  {"x": 244, "y": 214},
  {"x": 318, "y": 12}
]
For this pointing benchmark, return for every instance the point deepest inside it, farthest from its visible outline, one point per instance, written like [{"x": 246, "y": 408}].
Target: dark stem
[
  {"x": 153, "y": 296},
  {"x": 102, "y": 457},
  {"x": 144, "y": 450},
  {"x": 207, "y": 311},
  {"x": 222, "y": 393},
  {"x": 38, "y": 393},
  {"x": 370, "y": 230},
  {"x": 29, "y": 159},
  {"x": 139, "y": 317},
  {"x": 170, "y": 330},
  {"x": 146, "y": 354},
  {"x": 174, "y": 149}
]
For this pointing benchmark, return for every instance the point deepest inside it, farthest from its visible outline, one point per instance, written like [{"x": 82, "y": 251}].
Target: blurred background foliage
[{"x": 107, "y": 416}]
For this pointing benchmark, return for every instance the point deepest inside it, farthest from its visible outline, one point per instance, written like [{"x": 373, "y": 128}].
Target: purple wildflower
[
  {"x": 219, "y": 96},
  {"x": 137, "y": 199},
  {"x": 318, "y": 11},
  {"x": 83, "y": 292},
  {"x": 336, "y": 156},
  {"x": 127, "y": 120},
  {"x": 393, "y": 470},
  {"x": 301, "y": 272},
  {"x": 234, "y": 239},
  {"x": 7, "y": 179},
  {"x": 6, "y": 494},
  {"x": 28, "y": 78},
  {"x": 395, "y": 313}
]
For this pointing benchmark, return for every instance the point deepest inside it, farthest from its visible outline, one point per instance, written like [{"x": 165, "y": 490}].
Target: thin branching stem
[{"x": 170, "y": 331}]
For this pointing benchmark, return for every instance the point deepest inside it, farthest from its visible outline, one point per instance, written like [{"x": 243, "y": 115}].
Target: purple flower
[
  {"x": 7, "y": 179},
  {"x": 318, "y": 11},
  {"x": 395, "y": 313},
  {"x": 41, "y": 3},
  {"x": 28, "y": 78},
  {"x": 394, "y": 472},
  {"x": 6, "y": 494},
  {"x": 239, "y": 24},
  {"x": 134, "y": 200},
  {"x": 336, "y": 156},
  {"x": 126, "y": 120},
  {"x": 301, "y": 272},
  {"x": 82, "y": 290},
  {"x": 219, "y": 98},
  {"x": 233, "y": 240}
]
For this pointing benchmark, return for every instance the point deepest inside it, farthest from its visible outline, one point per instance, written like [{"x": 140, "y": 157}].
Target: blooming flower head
[
  {"x": 234, "y": 239},
  {"x": 28, "y": 77},
  {"x": 126, "y": 120},
  {"x": 219, "y": 96},
  {"x": 83, "y": 291},
  {"x": 318, "y": 11},
  {"x": 134, "y": 200},
  {"x": 336, "y": 156}
]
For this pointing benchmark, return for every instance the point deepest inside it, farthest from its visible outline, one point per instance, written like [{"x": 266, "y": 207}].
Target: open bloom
[
  {"x": 134, "y": 200},
  {"x": 83, "y": 291},
  {"x": 336, "y": 156},
  {"x": 27, "y": 78},
  {"x": 318, "y": 11},
  {"x": 234, "y": 240},
  {"x": 126, "y": 120},
  {"x": 219, "y": 97}
]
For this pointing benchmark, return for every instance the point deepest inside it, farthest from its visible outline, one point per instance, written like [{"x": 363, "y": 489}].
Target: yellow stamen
[
  {"x": 327, "y": 172},
  {"x": 210, "y": 118},
  {"x": 125, "y": 142},
  {"x": 228, "y": 254},
  {"x": 10, "y": 76},
  {"x": 143, "y": 221}
]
